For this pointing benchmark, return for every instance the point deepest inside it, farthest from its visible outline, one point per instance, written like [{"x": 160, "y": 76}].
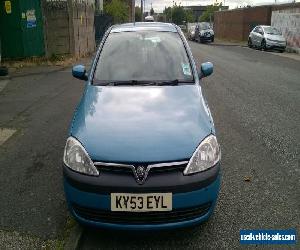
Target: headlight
[
  {"x": 206, "y": 156},
  {"x": 77, "y": 159}
]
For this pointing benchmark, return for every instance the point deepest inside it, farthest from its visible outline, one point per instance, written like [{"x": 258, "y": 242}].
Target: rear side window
[{"x": 143, "y": 55}]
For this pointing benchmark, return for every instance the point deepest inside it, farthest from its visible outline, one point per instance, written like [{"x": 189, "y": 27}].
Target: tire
[
  {"x": 212, "y": 39},
  {"x": 250, "y": 43},
  {"x": 263, "y": 45},
  {"x": 3, "y": 71}
]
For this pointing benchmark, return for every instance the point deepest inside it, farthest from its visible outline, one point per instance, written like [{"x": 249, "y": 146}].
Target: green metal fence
[{"x": 21, "y": 28}]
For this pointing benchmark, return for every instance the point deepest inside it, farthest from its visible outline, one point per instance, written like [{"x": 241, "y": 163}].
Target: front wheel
[
  {"x": 250, "y": 43},
  {"x": 263, "y": 45},
  {"x": 212, "y": 39}
]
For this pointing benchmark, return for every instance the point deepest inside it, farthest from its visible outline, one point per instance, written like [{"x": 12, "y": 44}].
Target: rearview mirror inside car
[
  {"x": 207, "y": 69},
  {"x": 79, "y": 72}
]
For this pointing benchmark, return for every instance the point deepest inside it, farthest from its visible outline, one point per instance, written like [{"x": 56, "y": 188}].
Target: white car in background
[
  {"x": 266, "y": 37},
  {"x": 191, "y": 33},
  {"x": 149, "y": 19}
]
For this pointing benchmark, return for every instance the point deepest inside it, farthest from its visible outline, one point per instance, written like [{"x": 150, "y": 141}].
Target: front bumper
[
  {"x": 275, "y": 45},
  {"x": 92, "y": 207},
  {"x": 206, "y": 38}
]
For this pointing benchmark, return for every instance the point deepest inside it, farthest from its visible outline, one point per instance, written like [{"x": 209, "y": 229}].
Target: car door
[
  {"x": 260, "y": 36},
  {"x": 253, "y": 36}
]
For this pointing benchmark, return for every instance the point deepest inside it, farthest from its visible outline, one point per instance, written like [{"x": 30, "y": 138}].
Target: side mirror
[
  {"x": 206, "y": 69},
  {"x": 79, "y": 72}
]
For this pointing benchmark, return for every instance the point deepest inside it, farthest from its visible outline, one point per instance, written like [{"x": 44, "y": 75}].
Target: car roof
[{"x": 140, "y": 26}]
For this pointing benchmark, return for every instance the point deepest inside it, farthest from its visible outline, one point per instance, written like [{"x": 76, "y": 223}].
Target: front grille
[
  {"x": 113, "y": 169},
  {"x": 276, "y": 41},
  {"x": 127, "y": 170},
  {"x": 136, "y": 218}
]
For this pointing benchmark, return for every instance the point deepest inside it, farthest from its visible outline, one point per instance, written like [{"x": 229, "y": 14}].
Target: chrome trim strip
[
  {"x": 156, "y": 165},
  {"x": 167, "y": 164},
  {"x": 109, "y": 164},
  {"x": 132, "y": 167}
]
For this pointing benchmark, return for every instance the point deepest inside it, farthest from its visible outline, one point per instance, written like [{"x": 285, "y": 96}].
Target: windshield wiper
[
  {"x": 118, "y": 83},
  {"x": 141, "y": 82},
  {"x": 172, "y": 82}
]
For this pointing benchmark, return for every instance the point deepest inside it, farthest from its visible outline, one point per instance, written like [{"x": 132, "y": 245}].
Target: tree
[
  {"x": 138, "y": 14},
  {"x": 177, "y": 14},
  {"x": 189, "y": 16},
  {"x": 151, "y": 12},
  {"x": 168, "y": 14},
  {"x": 118, "y": 9},
  {"x": 208, "y": 14}
]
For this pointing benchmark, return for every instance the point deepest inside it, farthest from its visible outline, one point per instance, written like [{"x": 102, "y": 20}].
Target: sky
[{"x": 159, "y": 5}]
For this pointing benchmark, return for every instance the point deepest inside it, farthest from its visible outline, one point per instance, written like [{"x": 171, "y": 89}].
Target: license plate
[{"x": 141, "y": 202}]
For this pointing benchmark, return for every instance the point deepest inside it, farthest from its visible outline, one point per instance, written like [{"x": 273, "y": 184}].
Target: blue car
[{"x": 142, "y": 152}]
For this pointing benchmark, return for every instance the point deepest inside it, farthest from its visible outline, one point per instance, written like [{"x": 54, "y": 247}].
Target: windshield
[
  {"x": 204, "y": 26},
  {"x": 143, "y": 56},
  {"x": 271, "y": 31}
]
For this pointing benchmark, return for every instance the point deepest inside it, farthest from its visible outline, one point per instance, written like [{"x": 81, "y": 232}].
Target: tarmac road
[
  {"x": 39, "y": 106},
  {"x": 254, "y": 97}
]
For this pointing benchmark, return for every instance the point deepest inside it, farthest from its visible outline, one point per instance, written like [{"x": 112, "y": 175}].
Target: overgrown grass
[{"x": 53, "y": 60}]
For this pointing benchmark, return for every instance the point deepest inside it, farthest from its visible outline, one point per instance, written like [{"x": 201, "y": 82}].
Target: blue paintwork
[
  {"x": 207, "y": 69},
  {"x": 79, "y": 72},
  {"x": 180, "y": 200},
  {"x": 141, "y": 124}
]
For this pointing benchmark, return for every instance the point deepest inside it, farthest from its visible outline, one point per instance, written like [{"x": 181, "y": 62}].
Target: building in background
[{"x": 198, "y": 10}]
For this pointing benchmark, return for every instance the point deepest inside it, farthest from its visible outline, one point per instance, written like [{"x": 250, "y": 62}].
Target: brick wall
[
  {"x": 228, "y": 25},
  {"x": 253, "y": 17}
]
